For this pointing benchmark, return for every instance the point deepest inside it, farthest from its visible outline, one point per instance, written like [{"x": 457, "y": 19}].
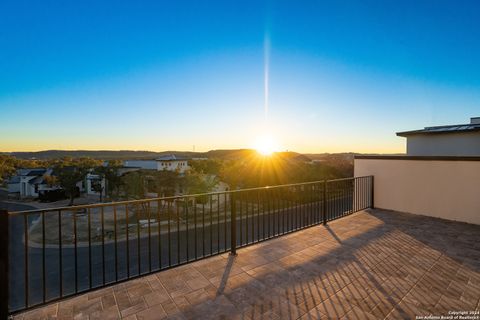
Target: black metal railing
[{"x": 59, "y": 252}]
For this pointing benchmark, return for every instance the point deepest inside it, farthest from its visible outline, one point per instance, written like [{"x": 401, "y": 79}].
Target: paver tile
[{"x": 371, "y": 265}]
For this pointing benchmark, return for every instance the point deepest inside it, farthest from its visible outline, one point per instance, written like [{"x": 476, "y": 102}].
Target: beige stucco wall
[{"x": 443, "y": 189}]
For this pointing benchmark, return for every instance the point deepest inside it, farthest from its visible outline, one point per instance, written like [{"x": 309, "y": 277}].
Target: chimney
[{"x": 475, "y": 120}]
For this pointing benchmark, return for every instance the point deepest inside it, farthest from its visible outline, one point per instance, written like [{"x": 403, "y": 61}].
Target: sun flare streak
[{"x": 266, "y": 67}]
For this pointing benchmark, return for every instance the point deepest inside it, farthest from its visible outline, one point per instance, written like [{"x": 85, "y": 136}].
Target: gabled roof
[
  {"x": 442, "y": 129},
  {"x": 171, "y": 157},
  {"x": 31, "y": 172}
]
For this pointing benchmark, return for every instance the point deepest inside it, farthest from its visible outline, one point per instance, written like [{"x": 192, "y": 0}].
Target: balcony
[{"x": 373, "y": 264}]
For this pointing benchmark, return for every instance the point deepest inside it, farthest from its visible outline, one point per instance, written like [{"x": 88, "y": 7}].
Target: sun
[{"x": 266, "y": 145}]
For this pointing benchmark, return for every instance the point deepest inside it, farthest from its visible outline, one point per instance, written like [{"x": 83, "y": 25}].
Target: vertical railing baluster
[
  {"x": 185, "y": 212},
  {"x": 169, "y": 236},
  {"x": 90, "y": 264},
  {"x": 258, "y": 215},
  {"x": 178, "y": 232},
  {"x": 203, "y": 227},
  {"x": 115, "y": 241},
  {"x": 254, "y": 218},
  {"x": 75, "y": 248},
  {"x": 44, "y": 268},
  {"x": 372, "y": 192},
  {"x": 149, "y": 217},
  {"x": 218, "y": 223},
  {"x": 60, "y": 254},
  {"x": 159, "y": 233},
  {"x": 225, "y": 221},
  {"x": 102, "y": 216},
  {"x": 25, "y": 226},
  {"x": 211, "y": 225},
  {"x": 313, "y": 205},
  {"x": 324, "y": 203},
  {"x": 233, "y": 224},
  {"x": 127, "y": 239},
  {"x": 195, "y": 226},
  {"x": 4, "y": 264},
  {"x": 139, "y": 256},
  {"x": 277, "y": 210},
  {"x": 240, "y": 214},
  {"x": 242, "y": 197}
]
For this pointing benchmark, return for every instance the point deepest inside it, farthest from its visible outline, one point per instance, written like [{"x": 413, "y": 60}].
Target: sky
[{"x": 315, "y": 76}]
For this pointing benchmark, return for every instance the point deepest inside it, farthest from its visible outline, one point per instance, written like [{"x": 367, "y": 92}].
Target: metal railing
[{"x": 59, "y": 252}]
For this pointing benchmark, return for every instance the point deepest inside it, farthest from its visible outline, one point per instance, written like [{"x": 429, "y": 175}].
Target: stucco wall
[
  {"x": 451, "y": 144},
  {"x": 443, "y": 189},
  {"x": 180, "y": 165}
]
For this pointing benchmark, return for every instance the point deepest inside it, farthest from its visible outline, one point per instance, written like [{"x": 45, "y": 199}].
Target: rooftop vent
[{"x": 475, "y": 120}]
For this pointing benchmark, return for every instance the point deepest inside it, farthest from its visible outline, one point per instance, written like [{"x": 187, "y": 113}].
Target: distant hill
[
  {"x": 98, "y": 154},
  {"x": 138, "y": 155}
]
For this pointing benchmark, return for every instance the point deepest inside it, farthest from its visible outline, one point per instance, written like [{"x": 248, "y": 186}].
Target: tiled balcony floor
[{"x": 371, "y": 265}]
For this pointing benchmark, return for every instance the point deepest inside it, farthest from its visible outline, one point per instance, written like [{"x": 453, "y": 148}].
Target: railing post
[
  {"x": 372, "y": 192},
  {"x": 324, "y": 214},
  {"x": 4, "y": 238},
  {"x": 233, "y": 225}
]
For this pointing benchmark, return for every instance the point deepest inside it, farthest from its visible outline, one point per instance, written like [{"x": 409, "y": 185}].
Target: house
[
  {"x": 27, "y": 182},
  {"x": 437, "y": 177},
  {"x": 448, "y": 140},
  {"x": 168, "y": 162},
  {"x": 172, "y": 163}
]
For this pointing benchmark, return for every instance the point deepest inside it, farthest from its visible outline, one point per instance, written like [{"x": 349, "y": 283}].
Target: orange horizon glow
[{"x": 183, "y": 148}]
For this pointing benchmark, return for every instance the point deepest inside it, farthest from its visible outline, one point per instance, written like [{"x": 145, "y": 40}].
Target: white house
[
  {"x": 172, "y": 163},
  {"x": 28, "y": 182},
  {"x": 449, "y": 140},
  {"x": 168, "y": 162}
]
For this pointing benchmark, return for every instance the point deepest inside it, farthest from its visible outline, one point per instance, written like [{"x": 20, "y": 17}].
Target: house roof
[
  {"x": 36, "y": 172},
  {"x": 14, "y": 179},
  {"x": 37, "y": 180},
  {"x": 456, "y": 128},
  {"x": 171, "y": 157},
  {"x": 31, "y": 172}
]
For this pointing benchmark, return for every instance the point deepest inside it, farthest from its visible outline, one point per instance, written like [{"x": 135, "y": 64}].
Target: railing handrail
[{"x": 126, "y": 202}]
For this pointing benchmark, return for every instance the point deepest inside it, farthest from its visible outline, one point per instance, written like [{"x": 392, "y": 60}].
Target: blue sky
[{"x": 158, "y": 75}]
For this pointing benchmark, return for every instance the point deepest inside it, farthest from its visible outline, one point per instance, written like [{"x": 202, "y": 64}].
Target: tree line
[{"x": 202, "y": 177}]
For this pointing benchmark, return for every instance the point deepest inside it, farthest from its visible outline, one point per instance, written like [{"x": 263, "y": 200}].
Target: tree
[
  {"x": 208, "y": 166},
  {"x": 165, "y": 183},
  {"x": 134, "y": 185},
  {"x": 113, "y": 180},
  {"x": 197, "y": 183},
  {"x": 7, "y": 166},
  {"x": 69, "y": 172}
]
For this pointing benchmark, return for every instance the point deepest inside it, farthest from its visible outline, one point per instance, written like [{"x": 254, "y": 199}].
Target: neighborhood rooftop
[{"x": 172, "y": 157}]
